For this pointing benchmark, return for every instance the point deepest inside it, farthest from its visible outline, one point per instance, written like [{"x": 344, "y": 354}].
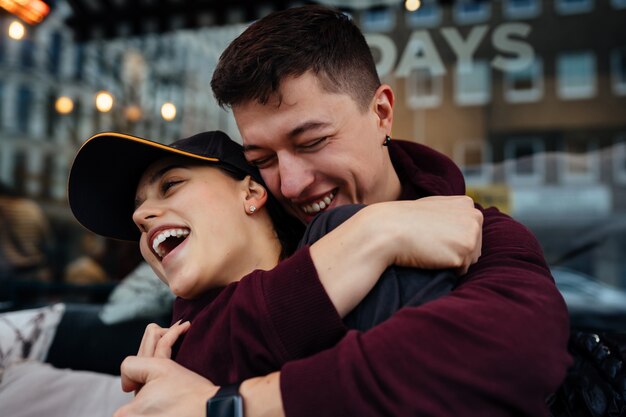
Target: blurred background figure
[
  {"x": 26, "y": 239},
  {"x": 87, "y": 268}
]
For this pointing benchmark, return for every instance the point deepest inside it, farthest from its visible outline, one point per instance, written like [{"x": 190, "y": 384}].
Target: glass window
[
  {"x": 579, "y": 162},
  {"x": 618, "y": 71},
  {"x": 1, "y": 105},
  {"x": 524, "y": 161},
  {"x": 47, "y": 179},
  {"x": 3, "y": 42},
  {"x": 618, "y": 4},
  {"x": 521, "y": 9},
  {"x": 471, "y": 11},
  {"x": 55, "y": 53},
  {"x": 619, "y": 159},
  {"x": 424, "y": 89},
  {"x": 20, "y": 171},
  {"x": 379, "y": 20},
  {"x": 576, "y": 75},
  {"x": 24, "y": 107},
  {"x": 52, "y": 115},
  {"x": 79, "y": 51},
  {"x": 473, "y": 83},
  {"x": 473, "y": 157},
  {"x": 27, "y": 53},
  {"x": 428, "y": 15},
  {"x": 525, "y": 85},
  {"x": 573, "y": 6}
]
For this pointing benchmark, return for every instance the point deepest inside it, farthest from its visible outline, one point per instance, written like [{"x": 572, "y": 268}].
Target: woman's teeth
[
  {"x": 319, "y": 205},
  {"x": 163, "y": 236}
]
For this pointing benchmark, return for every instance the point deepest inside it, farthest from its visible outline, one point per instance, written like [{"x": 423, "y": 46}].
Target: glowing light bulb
[
  {"x": 412, "y": 5},
  {"x": 168, "y": 111},
  {"x": 104, "y": 101},
  {"x": 64, "y": 105},
  {"x": 16, "y": 30}
]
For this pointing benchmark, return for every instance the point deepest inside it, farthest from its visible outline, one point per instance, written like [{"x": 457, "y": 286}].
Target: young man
[{"x": 316, "y": 120}]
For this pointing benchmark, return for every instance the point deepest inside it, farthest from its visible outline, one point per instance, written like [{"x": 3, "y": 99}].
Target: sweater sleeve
[
  {"x": 294, "y": 313},
  {"x": 495, "y": 346},
  {"x": 253, "y": 326}
]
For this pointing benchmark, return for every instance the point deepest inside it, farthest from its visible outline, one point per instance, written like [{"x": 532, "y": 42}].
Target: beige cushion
[{"x": 35, "y": 389}]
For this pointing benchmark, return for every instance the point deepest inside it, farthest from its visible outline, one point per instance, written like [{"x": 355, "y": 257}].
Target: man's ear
[
  {"x": 383, "y": 106},
  {"x": 255, "y": 195}
]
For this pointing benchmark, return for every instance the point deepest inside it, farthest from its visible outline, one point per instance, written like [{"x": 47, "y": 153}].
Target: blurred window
[
  {"x": 52, "y": 116},
  {"x": 576, "y": 75},
  {"x": 525, "y": 85},
  {"x": 428, "y": 15},
  {"x": 424, "y": 90},
  {"x": 473, "y": 83},
  {"x": 20, "y": 172},
  {"x": 379, "y": 20},
  {"x": 1, "y": 105},
  {"x": 573, "y": 6},
  {"x": 79, "y": 60},
  {"x": 473, "y": 158},
  {"x": 618, "y": 4},
  {"x": 55, "y": 53},
  {"x": 521, "y": 9},
  {"x": 24, "y": 108},
  {"x": 48, "y": 176},
  {"x": 471, "y": 11},
  {"x": 618, "y": 70},
  {"x": 27, "y": 53},
  {"x": 3, "y": 41},
  {"x": 580, "y": 162},
  {"x": 619, "y": 158},
  {"x": 524, "y": 163}
]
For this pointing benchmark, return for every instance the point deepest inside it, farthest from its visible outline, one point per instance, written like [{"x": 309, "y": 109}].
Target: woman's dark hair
[{"x": 289, "y": 43}]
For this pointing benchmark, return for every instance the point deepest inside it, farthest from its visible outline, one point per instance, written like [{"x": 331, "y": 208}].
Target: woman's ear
[{"x": 255, "y": 195}]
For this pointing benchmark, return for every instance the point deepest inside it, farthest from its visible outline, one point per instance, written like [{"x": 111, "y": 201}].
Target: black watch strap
[{"x": 226, "y": 402}]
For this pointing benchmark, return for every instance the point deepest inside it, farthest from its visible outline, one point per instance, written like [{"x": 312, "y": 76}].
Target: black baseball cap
[{"x": 107, "y": 168}]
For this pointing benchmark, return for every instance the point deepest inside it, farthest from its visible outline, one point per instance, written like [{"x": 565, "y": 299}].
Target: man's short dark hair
[{"x": 289, "y": 43}]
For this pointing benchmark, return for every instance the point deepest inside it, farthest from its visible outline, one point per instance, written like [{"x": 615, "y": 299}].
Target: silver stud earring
[{"x": 252, "y": 209}]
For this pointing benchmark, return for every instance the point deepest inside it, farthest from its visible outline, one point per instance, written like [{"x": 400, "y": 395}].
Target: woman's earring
[
  {"x": 387, "y": 140},
  {"x": 252, "y": 209}
]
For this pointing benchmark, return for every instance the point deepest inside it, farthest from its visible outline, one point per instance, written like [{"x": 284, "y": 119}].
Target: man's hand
[
  {"x": 436, "y": 232},
  {"x": 157, "y": 341},
  {"x": 166, "y": 389}
]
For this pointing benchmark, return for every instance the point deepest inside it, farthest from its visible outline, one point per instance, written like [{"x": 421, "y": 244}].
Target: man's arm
[
  {"x": 259, "y": 320},
  {"x": 495, "y": 346}
]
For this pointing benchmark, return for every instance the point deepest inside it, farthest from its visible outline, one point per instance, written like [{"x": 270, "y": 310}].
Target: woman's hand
[
  {"x": 163, "y": 388},
  {"x": 157, "y": 341}
]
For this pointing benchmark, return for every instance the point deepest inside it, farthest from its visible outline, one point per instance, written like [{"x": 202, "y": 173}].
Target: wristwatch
[{"x": 225, "y": 403}]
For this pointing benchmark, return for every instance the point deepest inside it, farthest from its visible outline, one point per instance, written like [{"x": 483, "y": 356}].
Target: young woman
[{"x": 209, "y": 229}]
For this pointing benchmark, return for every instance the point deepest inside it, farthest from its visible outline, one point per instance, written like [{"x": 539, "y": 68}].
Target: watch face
[{"x": 228, "y": 406}]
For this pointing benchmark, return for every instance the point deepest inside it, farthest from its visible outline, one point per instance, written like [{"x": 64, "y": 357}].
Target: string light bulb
[
  {"x": 412, "y": 5},
  {"x": 64, "y": 105},
  {"x": 168, "y": 111},
  {"x": 104, "y": 101},
  {"x": 16, "y": 30}
]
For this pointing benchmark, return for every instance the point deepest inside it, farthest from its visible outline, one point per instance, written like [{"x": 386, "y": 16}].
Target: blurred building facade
[
  {"x": 527, "y": 96},
  {"x": 39, "y": 133}
]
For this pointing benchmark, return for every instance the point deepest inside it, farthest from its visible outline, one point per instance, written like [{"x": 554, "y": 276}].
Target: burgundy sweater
[{"x": 495, "y": 346}]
